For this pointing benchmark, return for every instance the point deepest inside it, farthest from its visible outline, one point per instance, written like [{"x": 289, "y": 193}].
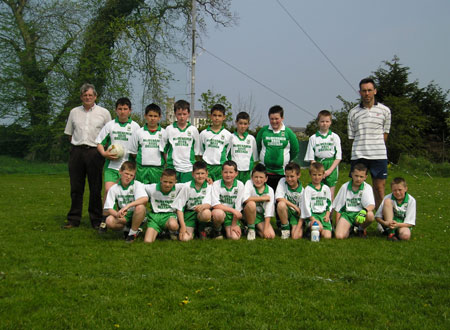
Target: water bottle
[{"x": 315, "y": 232}]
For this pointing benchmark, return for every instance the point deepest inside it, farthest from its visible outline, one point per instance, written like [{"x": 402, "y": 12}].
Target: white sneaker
[
  {"x": 380, "y": 228},
  {"x": 251, "y": 235},
  {"x": 285, "y": 234}
]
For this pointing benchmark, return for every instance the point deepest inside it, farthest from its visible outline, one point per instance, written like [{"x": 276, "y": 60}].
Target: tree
[
  {"x": 207, "y": 100},
  {"x": 99, "y": 41}
]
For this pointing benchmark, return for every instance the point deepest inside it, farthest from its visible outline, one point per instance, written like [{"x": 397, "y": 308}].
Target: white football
[{"x": 116, "y": 149}]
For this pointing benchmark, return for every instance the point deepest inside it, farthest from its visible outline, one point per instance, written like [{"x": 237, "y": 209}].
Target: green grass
[{"x": 54, "y": 278}]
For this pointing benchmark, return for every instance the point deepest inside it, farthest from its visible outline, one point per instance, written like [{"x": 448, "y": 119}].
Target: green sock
[
  {"x": 252, "y": 226},
  {"x": 285, "y": 227}
]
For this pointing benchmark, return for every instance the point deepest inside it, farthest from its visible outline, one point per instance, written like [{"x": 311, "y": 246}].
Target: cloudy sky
[{"x": 268, "y": 46}]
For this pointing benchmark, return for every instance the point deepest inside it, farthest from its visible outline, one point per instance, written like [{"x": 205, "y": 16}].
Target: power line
[
  {"x": 256, "y": 81},
  {"x": 317, "y": 46}
]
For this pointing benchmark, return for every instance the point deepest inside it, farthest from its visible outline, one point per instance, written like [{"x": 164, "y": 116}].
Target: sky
[{"x": 357, "y": 36}]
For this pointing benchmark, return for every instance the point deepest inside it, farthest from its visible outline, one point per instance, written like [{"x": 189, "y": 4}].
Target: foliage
[
  {"x": 53, "y": 278},
  {"x": 102, "y": 42},
  {"x": 208, "y": 100}
]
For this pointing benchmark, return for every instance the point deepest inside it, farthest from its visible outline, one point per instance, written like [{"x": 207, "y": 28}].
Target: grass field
[{"x": 75, "y": 279}]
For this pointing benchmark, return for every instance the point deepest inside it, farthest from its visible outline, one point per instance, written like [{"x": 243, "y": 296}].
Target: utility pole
[{"x": 194, "y": 18}]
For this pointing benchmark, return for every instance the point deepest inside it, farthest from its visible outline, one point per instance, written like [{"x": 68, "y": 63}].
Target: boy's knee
[
  {"x": 172, "y": 224},
  {"x": 281, "y": 205},
  {"x": 204, "y": 216},
  {"x": 250, "y": 207}
]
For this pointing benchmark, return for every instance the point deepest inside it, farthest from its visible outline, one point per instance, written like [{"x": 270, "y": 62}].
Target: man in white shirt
[{"x": 83, "y": 125}]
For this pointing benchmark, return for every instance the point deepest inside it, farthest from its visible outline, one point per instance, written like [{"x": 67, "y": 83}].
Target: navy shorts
[{"x": 377, "y": 167}]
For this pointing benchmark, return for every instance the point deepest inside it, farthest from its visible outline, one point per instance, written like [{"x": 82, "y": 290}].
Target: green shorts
[
  {"x": 350, "y": 217},
  {"x": 229, "y": 219},
  {"x": 190, "y": 218},
  {"x": 332, "y": 179},
  {"x": 148, "y": 174},
  {"x": 215, "y": 172},
  {"x": 183, "y": 177},
  {"x": 244, "y": 176},
  {"x": 111, "y": 175},
  {"x": 293, "y": 217},
  {"x": 321, "y": 217},
  {"x": 158, "y": 221},
  {"x": 259, "y": 218}
]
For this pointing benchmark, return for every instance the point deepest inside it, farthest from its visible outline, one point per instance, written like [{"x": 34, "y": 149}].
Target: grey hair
[{"x": 85, "y": 87}]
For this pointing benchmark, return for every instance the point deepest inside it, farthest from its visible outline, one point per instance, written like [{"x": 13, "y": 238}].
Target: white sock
[{"x": 132, "y": 232}]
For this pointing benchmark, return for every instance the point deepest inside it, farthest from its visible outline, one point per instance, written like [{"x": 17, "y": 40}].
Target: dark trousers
[
  {"x": 85, "y": 161},
  {"x": 272, "y": 180}
]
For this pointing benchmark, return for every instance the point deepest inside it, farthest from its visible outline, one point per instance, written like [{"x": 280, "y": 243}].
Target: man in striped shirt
[{"x": 368, "y": 127}]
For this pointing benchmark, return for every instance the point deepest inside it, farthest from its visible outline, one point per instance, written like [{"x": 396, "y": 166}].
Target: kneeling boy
[
  {"x": 226, "y": 200},
  {"x": 397, "y": 212},
  {"x": 316, "y": 201},
  {"x": 129, "y": 196},
  {"x": 162, "y": 215},
  {"x": 193, "y": 204},
  {"x": 259, "y": 204},
  {"x": 354, "y": 204},
  {"x": 288, "y": 196}
]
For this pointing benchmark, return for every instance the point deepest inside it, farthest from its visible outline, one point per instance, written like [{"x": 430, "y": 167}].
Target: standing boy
[
  {"x": 325, "y": 147},
  {"x": 277, "y": 145},
  {"x": 117, "y": 131},
  {"x": 354, "y": 204},
  {"x": 147, "y": 146},
  {"x": 130, "y": 198},
  {"x": 397, "y": 212},
  {"x": 183, "y": 143},
  {"x": 162, "y": 215},
  {"x": 243, "y": 150},
  {"x": 226, "y": 200},
  {"x": 288, "y": 197},
  {"x": 193, "y": 204},
  {"x": 214, "y": 142},
  {"x": 316, "y": 201},
  {"x": 259, "y": 204}
]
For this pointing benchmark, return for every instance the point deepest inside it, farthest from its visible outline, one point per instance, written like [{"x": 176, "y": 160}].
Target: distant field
[{"x": 54, "y": 278}]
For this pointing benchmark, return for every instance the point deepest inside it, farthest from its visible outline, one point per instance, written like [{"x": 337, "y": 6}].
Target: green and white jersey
[
  {"x": 292, "y": 195},
  {"x": 232, "y": 197},
  {"x": 181, "y": 147},
  {"x": 405, "y": 211},
  {"x": 214, "y": 146},
  {"x": 159, "y": 201},
  {"x": 315, "y": 200},
  {"x": 321, "y": 147},
  {"x": 189, "y": 197},
  {"x": 266, "y": 208},
  {"x": 148, "y": 146},
  {"x": 115, "y": 132},
  {"x": 121, "y": 196},
  {"x": 243, "y": 151},
  {"x": 348, "y": 200},
  {"x": 276, "y": 149}
]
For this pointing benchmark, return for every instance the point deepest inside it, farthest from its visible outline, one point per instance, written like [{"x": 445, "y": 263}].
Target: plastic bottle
[{"x": 315, "y": 232}]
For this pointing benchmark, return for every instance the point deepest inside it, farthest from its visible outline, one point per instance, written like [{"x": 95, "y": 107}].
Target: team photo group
[{"x": 176, "y": 182}]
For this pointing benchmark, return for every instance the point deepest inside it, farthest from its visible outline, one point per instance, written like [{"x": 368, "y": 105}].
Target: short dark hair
[
  {"x": 128, "y": 166},
  {"x": 230, "y": 163},
  {"x": 242, "y": 115},
  {"x": 399, "y": 180},
  {"x": 259, "y": 168},
  {"x": 199, "y": 165},
  {"x": 367, "y": 81},
  {"x": 123, "y": 101},
  {"x": 324, "y": 113},
  {"x": 169, "y": 172},
  {"x": 218, "y": 107},
  {"x": 276, "y": 109},
  {"x": 292, "y": 166},
  {"x": 183, "y": 105},
  {"x": 316, "y": 166},
  {"x": 153, "y": 107},
  {"x": 360, "y": 167}
]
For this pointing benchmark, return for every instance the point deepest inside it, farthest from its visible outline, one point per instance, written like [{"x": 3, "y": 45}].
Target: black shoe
[
  {"x": 69, "y": 226},
  {"x": 131, "y": 238},
  {"x": 102, "y": 228}
]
